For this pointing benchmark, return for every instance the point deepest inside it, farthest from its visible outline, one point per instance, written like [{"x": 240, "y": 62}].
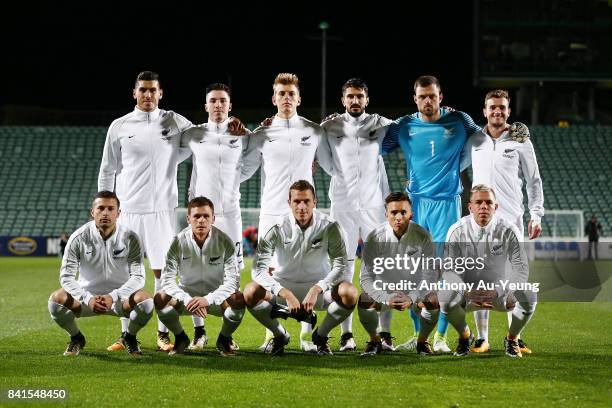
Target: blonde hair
[
  {"x": 482, "y": 188},
  {"x": 286, "y": 78}
]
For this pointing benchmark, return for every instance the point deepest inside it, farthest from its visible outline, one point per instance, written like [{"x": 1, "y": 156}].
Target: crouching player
[
  {"x": 108, "y": 260},
  {"x": 397, "y": 238},
  {"x": 312, "y": 261},
  {"x": 204, "y": 259},
  {"x": 494, "y": 240}
]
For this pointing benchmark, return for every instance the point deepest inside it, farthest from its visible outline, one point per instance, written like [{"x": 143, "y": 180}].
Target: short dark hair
[
  {"x": 425, "y": 81},
  {"x": 355, "y": 83},
  {"x": 200, "y": 202},
  {"x": 302, "y": 185},
  {"x": 397, "y": 196},
  {"x": 218, "y": 86},
  {"x": 106, "y": 194},
  {"x": 148, "y": 76}
]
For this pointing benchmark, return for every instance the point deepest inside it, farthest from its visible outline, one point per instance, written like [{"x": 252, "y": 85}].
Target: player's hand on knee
[
  {"x": 292, "y": 302},
  {"x": 519, "y": 132},
  {"x": 311, "y": 298}
]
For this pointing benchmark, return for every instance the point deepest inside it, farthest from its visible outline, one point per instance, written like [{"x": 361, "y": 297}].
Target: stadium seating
[{"x": 49, "y": 174}]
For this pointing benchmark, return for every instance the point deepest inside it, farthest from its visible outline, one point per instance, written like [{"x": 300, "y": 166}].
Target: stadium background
[{"x": 68, "y": 70}]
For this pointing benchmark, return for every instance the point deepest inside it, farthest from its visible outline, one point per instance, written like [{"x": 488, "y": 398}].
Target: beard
[{"x": 355, "y": 114}]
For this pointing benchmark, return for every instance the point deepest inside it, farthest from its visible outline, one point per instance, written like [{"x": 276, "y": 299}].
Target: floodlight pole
[{"x": 323, "y": 25}]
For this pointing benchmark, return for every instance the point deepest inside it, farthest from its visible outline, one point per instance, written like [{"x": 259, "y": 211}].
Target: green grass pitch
[{"x": 571, "y": 364}]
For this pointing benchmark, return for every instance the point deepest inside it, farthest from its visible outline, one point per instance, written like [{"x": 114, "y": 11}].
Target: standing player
[
  {"x": 432, "y": 141},
  {"x": 350, "y": 153},
  {"x": 396, "y": 236},
  {"x": 217, "y": 160},
  {"x": 312, "y": 264},
  {"x": 502, "y": 163},
  {"x": 496, "y": 241},
  {"x": 109, "y": 263},
  {"x": 285, "y": 150},
  {"x": 140, "y": 163},
  {"x": 204, "y": 260}
]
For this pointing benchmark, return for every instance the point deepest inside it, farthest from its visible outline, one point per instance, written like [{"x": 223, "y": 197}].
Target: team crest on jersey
[
  {"x": 305, "y": 141},
  {"x": 449, "y": 133},
  {"x": 233, "y": 144}
]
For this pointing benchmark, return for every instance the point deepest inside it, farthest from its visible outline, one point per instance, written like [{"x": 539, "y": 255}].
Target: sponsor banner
[{"x": 23, "y": 246}]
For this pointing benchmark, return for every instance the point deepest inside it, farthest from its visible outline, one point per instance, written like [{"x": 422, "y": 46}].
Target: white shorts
[
  {"x": 156, "y": 231},
  {"x": 266, "y": 222},
  {"x": 300, "y": 290},
  {"x": 231, "y": 224},
  {"x": 357, "y": 224}
]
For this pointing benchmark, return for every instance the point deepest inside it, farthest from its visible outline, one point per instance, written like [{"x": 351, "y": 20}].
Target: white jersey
[
  {"x": 382, "y": 243},
  {"x": 209, "y": 270},
  {"x": 142, "y": 153},
  {"x": 502, "y": 164},
  {"x": 113, "y": 267},
  {"x": 351, "y": 147},
  {"x": 217, "y": 161},
  {"x": 285, "y": 150},
  {"x": 496, "y": 244},
  {"x": 315, "y": 255}
]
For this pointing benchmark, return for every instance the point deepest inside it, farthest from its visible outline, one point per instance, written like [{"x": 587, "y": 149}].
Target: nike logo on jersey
[
  {"x": 118, "y": 251},
  {"x": 233, "y": 141},
  {"x": 480, "y": 148},
  {"x": 131, "y": 136},
  {"x": 509, "y": 150},
  {"x": 186, "y": 257},
  {"x": 412, "y": 133},
  {"x": 214, "y": 259},
  {"x": 305, "y": 138}
]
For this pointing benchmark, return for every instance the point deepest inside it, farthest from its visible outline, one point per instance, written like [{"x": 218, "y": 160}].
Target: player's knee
[
  {"x": 139, "y": 296},
  {"x": 61, "y": 297},
  {"x": 252, "y": 294},
  {"x": 160, "y": 300},
  {"x": 431, "y": 302},
  {"x": 347, "y": 294},
  {"x": 365, "y": 301},
  {"x": 236, "y": 301}
]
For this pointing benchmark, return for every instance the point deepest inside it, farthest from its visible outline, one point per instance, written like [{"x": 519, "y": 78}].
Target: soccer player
[
  {"x": 432, "y": 141},
  {"x": 312, "y": 263},
  {"x": 217, "y": 160},
  {"x": 108, "y": 260},
  {"x": 204, "y": 260},
  {"x": 350, "y": 153},
  {"x": 140, "y": 159},
  {"x": 397, "y": 236},
  {"x": 495, "y": 241},
  {"x": 502, "y": 163},
  {"x": 285, "y": 150}
]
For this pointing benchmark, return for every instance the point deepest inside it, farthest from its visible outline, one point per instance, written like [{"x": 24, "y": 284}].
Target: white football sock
[
  {"x": 369, "y": 320},
  {"x": 140, "y": 316},
  {"x": 231, "y": 321},
  {"x": 481, "y": 318},
  {"x": 160, "y": 325},
  {"x": 261, "y": 312},
  {"x": 170, "y": 316},
  {"x": 64, "y": 317},
  {"x": 384, "y": 321},
  {"x": 335, "y": 314}
]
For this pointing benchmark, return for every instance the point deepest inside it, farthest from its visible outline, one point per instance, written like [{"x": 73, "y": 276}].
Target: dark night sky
[{"x": 83, "y": 57}]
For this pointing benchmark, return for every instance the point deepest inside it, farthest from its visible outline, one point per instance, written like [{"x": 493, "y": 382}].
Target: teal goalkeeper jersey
[{"x": 432, "y": 151}]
